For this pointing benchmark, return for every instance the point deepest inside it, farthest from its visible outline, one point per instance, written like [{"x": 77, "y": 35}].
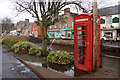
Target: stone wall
[
  {"x": 71, "y": 42},
  {"x": 62, "y": 42}
]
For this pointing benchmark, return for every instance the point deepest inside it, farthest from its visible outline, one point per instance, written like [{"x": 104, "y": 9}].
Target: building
[
  {"x": 24, "y": 27},
  {"x": 36, "y": 31},
  {"x": 64, "y": 26},
  {"x": 110, "y": 24}
]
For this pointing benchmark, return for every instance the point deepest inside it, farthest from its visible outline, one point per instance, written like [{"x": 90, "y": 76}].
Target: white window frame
[
  {"x": 55, "y": 25},
  {"x": 66, "y": 25}
]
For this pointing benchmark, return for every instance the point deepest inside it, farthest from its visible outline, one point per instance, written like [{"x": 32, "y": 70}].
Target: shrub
[
  {"x": 5, "y": 46},
  {"x": 25, "y": 46},
  {"x": 35, "y": 51},
  {"x": 60, "y": 57},
  {"x": 44, "y": 58},
  {"x": 11, "y": 40}
]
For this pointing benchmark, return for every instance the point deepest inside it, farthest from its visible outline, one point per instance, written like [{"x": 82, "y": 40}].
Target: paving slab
[{"x": 49, "y": 73}]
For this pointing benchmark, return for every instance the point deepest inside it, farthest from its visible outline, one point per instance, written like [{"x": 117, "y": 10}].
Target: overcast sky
[{"x": 7, "y": 10}]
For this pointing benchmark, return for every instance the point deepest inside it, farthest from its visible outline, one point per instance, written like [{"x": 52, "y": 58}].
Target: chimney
[
  {"x": 67, "y": 10},
  {"x": 27, "y": 20}
]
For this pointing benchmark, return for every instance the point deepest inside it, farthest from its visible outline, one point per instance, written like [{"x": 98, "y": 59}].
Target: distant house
[
  {"x": 110, "y": 22},
  {"x": 13, "y": 32},
  {"x": 36, "y": 31},
  {"x": 64, "y": 26},
  {"x": 24, "y": 27}
]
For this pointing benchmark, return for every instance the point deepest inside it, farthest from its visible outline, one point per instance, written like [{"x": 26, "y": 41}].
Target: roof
[
  {"x": 37, "y": 23},
  {"x": 21, "y": 22},
  {"x": 109, "y": 10},
  {"x": 73, "y": 14},
  {"x": 31, "y": 23}
]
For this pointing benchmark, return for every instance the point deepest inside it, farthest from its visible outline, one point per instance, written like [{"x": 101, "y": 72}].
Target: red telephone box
[{"x": 83, "y": 41}]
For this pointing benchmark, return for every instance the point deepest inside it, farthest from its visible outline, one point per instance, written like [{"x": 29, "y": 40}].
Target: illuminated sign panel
[{"x": 78, "y": 20}]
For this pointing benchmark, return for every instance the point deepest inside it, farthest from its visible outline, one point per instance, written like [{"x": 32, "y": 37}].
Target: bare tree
[
  {"x": 7, "y": 25},
  {"x": 46, "y": 12}
]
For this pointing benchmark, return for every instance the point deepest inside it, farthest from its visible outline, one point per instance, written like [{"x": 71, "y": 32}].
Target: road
[{"x": 13, "y": 68}]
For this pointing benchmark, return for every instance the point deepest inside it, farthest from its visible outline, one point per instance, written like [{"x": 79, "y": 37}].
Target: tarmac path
[{"x": 13, "y": 68}]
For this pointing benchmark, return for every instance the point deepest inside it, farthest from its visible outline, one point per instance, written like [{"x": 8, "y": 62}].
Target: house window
[
  {"x": 72, "y": 24},
  {"x": 36, "y": 28},
  {"x": 33, "y": 28},
  {"x": 66, "y": 25},
  {"x": 115, "y": 20},
  {"x": 102, "y": 21},
  {"x": 60, "y": 26},
  {"x": 52, "y": 34},
  {"x": 55, "y": 25},
  {"x": 109, "y": 20},
  {"x": 69, "y": 34}
]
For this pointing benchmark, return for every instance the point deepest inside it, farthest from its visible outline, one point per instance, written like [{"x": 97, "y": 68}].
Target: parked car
[
  {"x": 61, "y": 36},
  {"x": 103, "y": 38}
]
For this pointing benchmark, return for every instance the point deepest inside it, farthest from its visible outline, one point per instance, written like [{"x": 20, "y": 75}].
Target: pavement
[
  {"x": 111, "y": 63},
  {"x": 48, "y": 74},
  {"x": 13, "y": 68}
]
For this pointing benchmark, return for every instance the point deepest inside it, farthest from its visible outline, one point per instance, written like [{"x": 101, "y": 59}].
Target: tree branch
[{"x": 27, "y": 9}]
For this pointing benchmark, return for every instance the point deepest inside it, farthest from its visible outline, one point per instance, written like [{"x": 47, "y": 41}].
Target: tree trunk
[{"x": 44, "y": 40}]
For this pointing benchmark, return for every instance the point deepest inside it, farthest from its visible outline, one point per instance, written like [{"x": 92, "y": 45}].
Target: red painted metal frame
[
  {"x": 99, "y": 43},
  {"x": 87, "y": 66}
]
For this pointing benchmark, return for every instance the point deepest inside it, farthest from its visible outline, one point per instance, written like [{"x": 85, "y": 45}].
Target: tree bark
[
  {"x": 44, "y": 39},
  {"x": 44, "y": 43}
]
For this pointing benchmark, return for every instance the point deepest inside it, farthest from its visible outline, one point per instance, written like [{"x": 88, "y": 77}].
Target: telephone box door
[{"x": 81, "y": 47}]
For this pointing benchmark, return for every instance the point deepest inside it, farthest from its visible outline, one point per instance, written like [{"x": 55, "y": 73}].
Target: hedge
[{"x": 11, "y": 40}]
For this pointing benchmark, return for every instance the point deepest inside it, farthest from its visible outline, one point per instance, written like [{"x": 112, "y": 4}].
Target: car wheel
[{"x": 102, "y": 39}]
